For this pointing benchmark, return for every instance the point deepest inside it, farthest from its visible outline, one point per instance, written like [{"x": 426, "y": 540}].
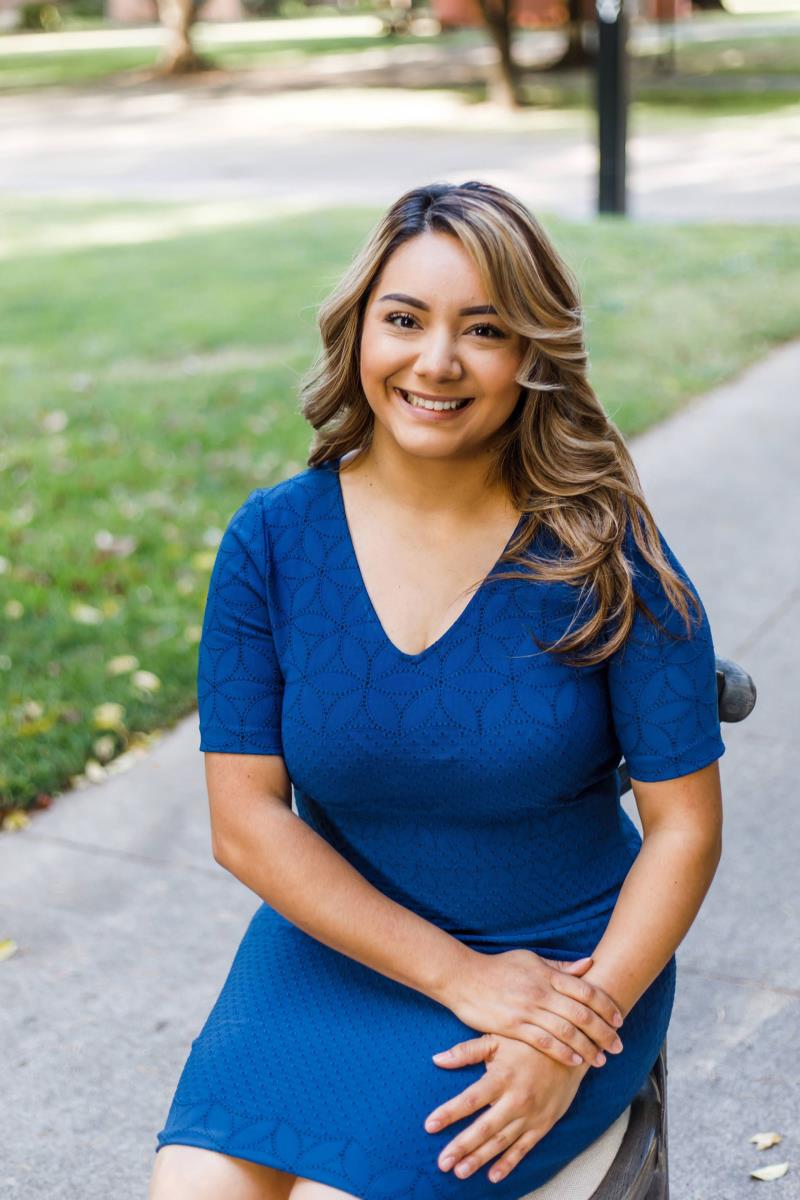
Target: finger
[
  {"x": 591, "y": 995},
  {"x": 569, "y": 1034},
  {"x": 541, "y": 1038},
  {"x": 476, "y": 1096},
  {"x": 469, "y": 1160},
  {"x": 600, "y": 1034},
  {"x": 474, "y": 1050},
  {"x": 513, "y": 1155},
  {"x": 577, "y": 967}
]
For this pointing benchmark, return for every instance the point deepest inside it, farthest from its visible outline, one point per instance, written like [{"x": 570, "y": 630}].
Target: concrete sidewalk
[{"x": 127, "y": 926}]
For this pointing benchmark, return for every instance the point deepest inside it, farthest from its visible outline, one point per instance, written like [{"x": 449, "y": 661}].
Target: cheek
[
  {"x": 497, "y": 372},
  {"x": 377, "y": 355}
]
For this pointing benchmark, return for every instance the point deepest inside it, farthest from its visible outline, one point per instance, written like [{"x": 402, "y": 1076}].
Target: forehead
[{"x": 435, "y": 261}]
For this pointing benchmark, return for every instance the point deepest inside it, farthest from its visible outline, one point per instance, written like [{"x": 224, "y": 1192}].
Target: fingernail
[
  {"x": 601, "y": 1058},
  {"x": 576, "y": 1058},
  {"x": 431, "y": 1124},
  {"x": 442, "y": 1054},
  {"x": 447, "y": 1163},
  {"x": 616, "y": 1046},
  {"x": 616, "y": 1020}
]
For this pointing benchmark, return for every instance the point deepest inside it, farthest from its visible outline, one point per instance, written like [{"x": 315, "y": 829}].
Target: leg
[
  {"x": 191, "y": 1173},
  {"x": 309, "y": 1189}
]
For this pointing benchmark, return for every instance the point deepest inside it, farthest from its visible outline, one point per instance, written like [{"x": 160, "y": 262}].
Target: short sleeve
[
  {"x": 663, "y": 691},
  {"x": 239, "y": 681}
]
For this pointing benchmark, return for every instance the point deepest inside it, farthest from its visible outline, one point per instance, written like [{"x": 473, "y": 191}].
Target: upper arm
[
  {"x": 688, "y": 802},
  {"x": 663, "y": 695},
  {"x": 238, "y": 785},
  {"x": 239, "y": 680}
]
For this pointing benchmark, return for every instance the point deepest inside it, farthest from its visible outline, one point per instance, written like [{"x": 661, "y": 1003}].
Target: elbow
[{"x": 221, "y": 851}]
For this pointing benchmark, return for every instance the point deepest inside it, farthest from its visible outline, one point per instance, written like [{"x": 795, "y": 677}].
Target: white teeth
[{"x": 433, "y": 405}]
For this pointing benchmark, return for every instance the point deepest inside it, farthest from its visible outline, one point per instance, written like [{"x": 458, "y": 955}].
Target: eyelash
[{"x": 496, "y": 332}]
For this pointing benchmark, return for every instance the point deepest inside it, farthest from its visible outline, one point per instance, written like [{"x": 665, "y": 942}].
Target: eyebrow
[{"x": 414, "y": 303}]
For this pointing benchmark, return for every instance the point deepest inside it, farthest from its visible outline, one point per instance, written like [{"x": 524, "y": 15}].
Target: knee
[{"x": 192, "y": 1173}]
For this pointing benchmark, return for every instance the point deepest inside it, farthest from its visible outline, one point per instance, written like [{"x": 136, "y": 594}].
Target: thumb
[
  {"x": 474, "y": 1050},
  {"x": 574, "y": 968}
]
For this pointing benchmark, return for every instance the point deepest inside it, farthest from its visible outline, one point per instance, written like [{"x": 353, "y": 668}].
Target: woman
[{"x": 459, "y": 873}]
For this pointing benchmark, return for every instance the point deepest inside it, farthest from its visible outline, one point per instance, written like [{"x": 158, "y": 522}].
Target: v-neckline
[{"x": 459, "y": 620}]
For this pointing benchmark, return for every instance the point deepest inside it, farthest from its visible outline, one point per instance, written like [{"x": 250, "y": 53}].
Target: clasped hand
[{"x": 540, "y": 1018}]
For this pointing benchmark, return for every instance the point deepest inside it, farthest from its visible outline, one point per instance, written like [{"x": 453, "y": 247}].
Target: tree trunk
[
  {"x": 179, "y": 56},
  {"x": 504, "y": 85},
  {"x": 575, "y": 55}
]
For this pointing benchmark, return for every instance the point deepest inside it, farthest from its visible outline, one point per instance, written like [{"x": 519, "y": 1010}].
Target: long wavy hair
[{"x": 559, "y": 456}]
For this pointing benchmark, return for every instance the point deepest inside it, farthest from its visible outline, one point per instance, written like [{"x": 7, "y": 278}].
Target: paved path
[
  {"x": 127, "y": 926},
  {"x": 322, "y": 146}
]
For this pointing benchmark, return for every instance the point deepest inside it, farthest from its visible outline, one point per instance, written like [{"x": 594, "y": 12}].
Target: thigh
[
  {"x": 192, "y": 1173},
  {"x": 310, "y": 1189}
]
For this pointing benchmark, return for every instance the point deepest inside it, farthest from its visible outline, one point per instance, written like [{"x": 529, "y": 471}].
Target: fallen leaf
[
  {"x": 7, "y": 947},
  {"x": 108, "y": 716},
  {"x": 86, "y": 614},
  {"x": 93, "y": 771},
  {"x": 763, "y": 1141},
  {"x": 146, "y": 680},
  {"x": 121, "y": 664},
  {"x": 15, "y": 820},
  {"x": 775, "y": 1171},
  {"x": 124, "y": 762},
  {"x": 104, "y": 748}
]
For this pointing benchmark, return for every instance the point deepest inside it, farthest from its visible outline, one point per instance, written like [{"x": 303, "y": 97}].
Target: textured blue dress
[{"x": 474, "y": 783}]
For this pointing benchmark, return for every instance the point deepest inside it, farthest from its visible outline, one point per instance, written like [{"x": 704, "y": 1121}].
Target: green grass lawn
[
  {"x": 74, "y": 67},
  {"x": 146, "y": 389}
]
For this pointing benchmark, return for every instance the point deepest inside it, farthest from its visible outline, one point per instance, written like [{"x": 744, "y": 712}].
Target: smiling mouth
[{"x": 433, "y": 405}]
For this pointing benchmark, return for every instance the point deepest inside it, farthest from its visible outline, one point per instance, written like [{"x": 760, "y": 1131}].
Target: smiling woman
[{"x": 457, "y": 871}]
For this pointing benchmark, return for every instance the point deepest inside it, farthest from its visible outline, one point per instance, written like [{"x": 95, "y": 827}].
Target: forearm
[
  {"x": 284, "y": 861},
  {"x": 657, "y": 904}
]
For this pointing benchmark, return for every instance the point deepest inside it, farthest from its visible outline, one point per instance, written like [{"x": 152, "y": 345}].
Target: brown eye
[{"x": 392, "y": 316}]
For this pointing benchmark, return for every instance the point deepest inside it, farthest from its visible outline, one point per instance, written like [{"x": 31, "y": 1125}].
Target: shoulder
[
  {"x": 649, "y": 590},
  {"x": 644, "y": 575},
  {"x": 267, "y": 512}
]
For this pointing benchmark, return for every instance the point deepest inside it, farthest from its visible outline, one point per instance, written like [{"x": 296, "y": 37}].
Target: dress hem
[{"x": 320, "y": 1176}]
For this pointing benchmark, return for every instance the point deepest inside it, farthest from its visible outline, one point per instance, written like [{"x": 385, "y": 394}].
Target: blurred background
[{"x": 180, "y": 186}]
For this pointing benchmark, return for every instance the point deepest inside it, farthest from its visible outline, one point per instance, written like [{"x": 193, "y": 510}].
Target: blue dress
[{"x": 474, "y": 783}]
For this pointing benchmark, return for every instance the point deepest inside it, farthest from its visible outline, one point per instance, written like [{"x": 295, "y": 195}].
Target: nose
[{"x": 438, "y": 358}]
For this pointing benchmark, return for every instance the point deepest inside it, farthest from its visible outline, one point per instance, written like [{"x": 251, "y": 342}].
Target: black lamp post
[{"x": 612, "y": 103}]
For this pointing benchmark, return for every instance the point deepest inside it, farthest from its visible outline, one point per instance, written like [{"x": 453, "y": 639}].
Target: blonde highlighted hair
[{"x": 559, "y": 456}]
